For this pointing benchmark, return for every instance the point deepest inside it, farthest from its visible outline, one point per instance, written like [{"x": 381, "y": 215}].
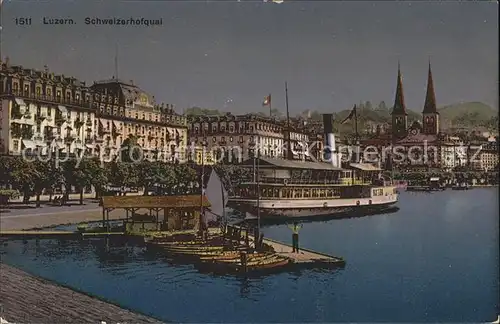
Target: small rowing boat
[
  {"x": 234, "y": 257},
  {"x": 196, "y": 254},
  {"x": 191, "y": 248},
  {"x": 267, "y": 263}
]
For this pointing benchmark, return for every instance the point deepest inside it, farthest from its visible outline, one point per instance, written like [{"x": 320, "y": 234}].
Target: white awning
[
  {"x": 116, "y": 123},
  {"x": 365, "y": 167},
  {"x": 40, "y": 144},
  {"x": 90, "y": 145},
  {"x": 101, "y": 122},
  {"x": 434, "y": 179},
  {"x": 62, "y": 109},
  {"x": 20, "y": 102},
  {"x": 29, "y": 144}
]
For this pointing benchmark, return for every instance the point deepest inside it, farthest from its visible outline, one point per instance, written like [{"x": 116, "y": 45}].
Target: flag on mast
[
  {"x": 267, "y": 101},
  {"x": 351, "y": 115}
]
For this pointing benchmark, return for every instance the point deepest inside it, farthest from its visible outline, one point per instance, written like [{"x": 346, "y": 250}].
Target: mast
[
  {"x": 1, "y": 27},
  {"x": 116, "y": 62},
  {"x": 356, "y": 125},
  {"x": 202, "y": 186},
  {"x": 254, "y": 168},
  {"x": 258, "y": 193},
  {"x": 270, "y": 107},
  {"x": 223, "y": 204},
  {"x": 289, "y": 155}
]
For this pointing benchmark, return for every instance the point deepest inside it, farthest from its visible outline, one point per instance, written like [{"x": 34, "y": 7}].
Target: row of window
[
  {"x": 48, "y": 91},
  {"x": 267, "y": 141},
  {"x": 156, "y": 117},
  {"x": 240, "y": 127},
  {"x": 68, "y": 114},
  {"x": 291, "y": 193}
]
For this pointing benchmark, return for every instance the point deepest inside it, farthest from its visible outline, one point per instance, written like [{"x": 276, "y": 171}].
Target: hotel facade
[
  {"x": 45, "y": 113},
  {"x": 235, "y": 138}
]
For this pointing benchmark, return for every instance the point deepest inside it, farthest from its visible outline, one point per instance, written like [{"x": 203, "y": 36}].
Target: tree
[
  {"x": 54, "y": 177},
  {"x": 40, "y": 178},
  {"x": 169, "y": 181},
  {"x": 232, "y": 175},
  {"x": 6, "y": 169},
  {"x": 382, "y": 106},
  {"x": 130, "y": 150},
  {"x": 150, "y": 174},
  {"x": 79, "y": 176},
  {"x": 23, "y": 176},
  {"x": 122, "y": 174},
  {"x": 99, "y": 176},
  {"x": 198, "y": 111},
  {"x": 276, "y": 113},
  {"x": 186, "y": 178}
]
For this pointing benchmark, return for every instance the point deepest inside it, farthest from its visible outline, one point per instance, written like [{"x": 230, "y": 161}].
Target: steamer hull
[
  {"x": 305, "y": 189},
  {"x": 289, "y": 208}
]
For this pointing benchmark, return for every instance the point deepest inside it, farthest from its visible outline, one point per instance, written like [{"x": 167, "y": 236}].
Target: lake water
[{"x": 435, "y": 260}]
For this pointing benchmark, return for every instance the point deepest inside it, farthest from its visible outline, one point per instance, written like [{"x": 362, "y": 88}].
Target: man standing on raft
[{"x": 295, "y": 236}]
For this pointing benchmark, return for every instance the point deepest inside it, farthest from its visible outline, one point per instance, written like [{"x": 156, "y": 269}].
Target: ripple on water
[{"x": 398, "y": 270}]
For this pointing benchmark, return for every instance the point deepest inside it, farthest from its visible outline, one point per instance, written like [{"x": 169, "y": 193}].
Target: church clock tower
[
  {"x": 430, "y": 115},
  {"x": 399, "y": 114}
]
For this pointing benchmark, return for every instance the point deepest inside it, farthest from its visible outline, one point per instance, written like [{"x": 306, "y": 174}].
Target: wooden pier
[
  {"x": 305, "y": 256},
  {"x": 39, "y": 234},
  {"x": 55, "y": 235}
]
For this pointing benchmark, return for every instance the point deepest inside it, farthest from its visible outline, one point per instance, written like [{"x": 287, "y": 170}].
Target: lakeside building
[
  {"x": 43, "y": 112},
  {"x": 233, "y": 139},
  {"x": 124, "y": 110},
  {"x": 489, "y": 157},
  {"x": 453, "y": 152}
]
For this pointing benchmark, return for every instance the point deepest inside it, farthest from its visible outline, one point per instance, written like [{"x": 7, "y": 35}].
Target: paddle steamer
[{"x": 304, "y": 189}]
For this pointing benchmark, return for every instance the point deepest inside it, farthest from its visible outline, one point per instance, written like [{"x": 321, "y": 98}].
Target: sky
[{"x": 230, "y": 54}]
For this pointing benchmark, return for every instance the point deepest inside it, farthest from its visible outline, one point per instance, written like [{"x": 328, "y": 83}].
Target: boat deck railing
[{"x": 288, "y": 181}]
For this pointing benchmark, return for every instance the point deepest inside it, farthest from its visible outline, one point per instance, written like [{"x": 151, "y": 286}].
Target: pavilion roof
[
  {"x": 187, "y": 201},
  {"x": 293, "y": 164}
]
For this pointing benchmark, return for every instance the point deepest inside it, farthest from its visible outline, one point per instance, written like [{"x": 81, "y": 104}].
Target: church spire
[
  {"x": 430, "y": 97},
  {"x": 399, "y": 101}
]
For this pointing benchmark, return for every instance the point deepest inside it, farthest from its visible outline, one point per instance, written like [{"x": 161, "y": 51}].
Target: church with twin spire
[
  {"x": 427, "y": 130},
  {"x": 415, "y": 139},
  {"x": 422, "y": 135}
]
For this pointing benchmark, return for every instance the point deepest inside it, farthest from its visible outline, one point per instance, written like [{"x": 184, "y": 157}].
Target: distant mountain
[
  {"x": 198, "y": 111},
  {"x": 466, "y": 115},
  {"x": 469, "y": 114}
]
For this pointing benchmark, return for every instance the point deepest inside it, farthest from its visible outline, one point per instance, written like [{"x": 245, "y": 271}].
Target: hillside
[
  {"x": 466, "y": 114},
  {"x": 470, "y": 114}
]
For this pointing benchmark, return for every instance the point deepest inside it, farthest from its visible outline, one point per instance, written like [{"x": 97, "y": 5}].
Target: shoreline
[{"x": 28, "y": 298}]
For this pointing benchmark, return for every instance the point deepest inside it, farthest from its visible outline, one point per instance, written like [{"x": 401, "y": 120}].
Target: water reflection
[
  {"x": 398, "y": 270},
  {"x": 114, "y": 256},
  {"x": 319, "y": 219}
]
